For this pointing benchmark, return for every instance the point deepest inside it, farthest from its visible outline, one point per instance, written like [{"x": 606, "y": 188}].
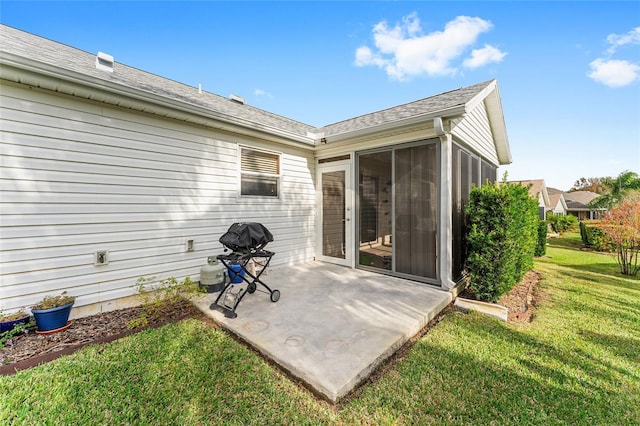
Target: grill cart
[{"x": 247, "y": 241}]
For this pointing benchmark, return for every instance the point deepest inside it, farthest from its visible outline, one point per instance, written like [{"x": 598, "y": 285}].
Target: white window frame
[{"x": 242, "y": 173}]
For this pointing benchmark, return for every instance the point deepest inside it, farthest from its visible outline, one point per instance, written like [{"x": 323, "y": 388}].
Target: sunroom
[{"x": 391, "y": 195}]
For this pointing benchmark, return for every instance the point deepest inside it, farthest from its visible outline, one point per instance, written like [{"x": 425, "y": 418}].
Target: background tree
[
  {"x": 625, "y": 184},
  {"x": 593, "y": 184},
  {"x": 622, "y": 226}
]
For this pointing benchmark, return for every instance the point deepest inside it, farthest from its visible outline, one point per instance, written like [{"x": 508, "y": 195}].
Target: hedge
[
  {"x": 501, "y": 238},
  {"x": 541, "y": 241},
  {"x": 593, "y": 236},
  {"x": 561, "y": 223}
]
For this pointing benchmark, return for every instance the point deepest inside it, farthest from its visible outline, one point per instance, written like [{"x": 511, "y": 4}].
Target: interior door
[{"x": 335, "y": 222}]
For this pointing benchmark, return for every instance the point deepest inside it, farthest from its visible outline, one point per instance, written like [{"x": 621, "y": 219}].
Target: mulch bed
[
  {"x": 523, "y": 298},
  {"x": 520, "y": 301},
  {"x": 31, "y": 349}
]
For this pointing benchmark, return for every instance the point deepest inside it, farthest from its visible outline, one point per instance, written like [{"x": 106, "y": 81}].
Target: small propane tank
[{"x": 212, "y": 275}]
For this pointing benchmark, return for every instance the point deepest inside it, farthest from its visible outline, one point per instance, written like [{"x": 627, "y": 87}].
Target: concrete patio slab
[{"x": 333, "y": 325}]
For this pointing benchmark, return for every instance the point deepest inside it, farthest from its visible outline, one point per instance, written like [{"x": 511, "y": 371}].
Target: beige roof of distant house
[
  {"x": 579, "y": 199},
  {"x": 537, "y": 187},
  {"x": 554, "y": 199},
  {"x": 554, "y": 190}
]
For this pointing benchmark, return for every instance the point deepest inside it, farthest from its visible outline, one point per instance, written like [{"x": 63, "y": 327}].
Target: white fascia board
[
  {"x": 498, "y": 126},
  {"x": 481, "y": 95},
  {"x": 490, "y": 95},
  {"x": 58, "y": 78}
]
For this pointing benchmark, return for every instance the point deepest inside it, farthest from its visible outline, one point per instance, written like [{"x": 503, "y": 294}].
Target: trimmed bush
[
  {"x": 541, "y": 246},
  {"x": 583, "y": 234},
  {"x": 593, "y": 235},
  {"x": 502, "y": 237},
  {"x": 561, "y": 223}
]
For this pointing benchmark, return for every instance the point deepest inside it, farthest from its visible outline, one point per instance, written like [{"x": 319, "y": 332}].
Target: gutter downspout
[{"x": 445, "y": 234}]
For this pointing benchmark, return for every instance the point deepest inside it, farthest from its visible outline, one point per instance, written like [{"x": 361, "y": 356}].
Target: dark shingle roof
[
  {"x": 82, "y": 63},
  {"x": 443, "y": 101},
  {"x": 69, "y": 58}
]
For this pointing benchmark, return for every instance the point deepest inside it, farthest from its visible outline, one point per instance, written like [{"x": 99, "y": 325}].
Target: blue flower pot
[
  {"x": 52, "y": 319},
  {"x": 8, "y": 325}
]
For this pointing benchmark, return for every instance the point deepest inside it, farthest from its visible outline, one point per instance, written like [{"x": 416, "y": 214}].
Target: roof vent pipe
[
  {"x": 104, "y": 62},
  {"x": 236, "y": 98}
]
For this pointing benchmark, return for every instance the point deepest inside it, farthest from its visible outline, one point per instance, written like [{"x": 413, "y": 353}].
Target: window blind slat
[
  {"x": 259, "y": 173},
  {"x": 259, "y": 162}
]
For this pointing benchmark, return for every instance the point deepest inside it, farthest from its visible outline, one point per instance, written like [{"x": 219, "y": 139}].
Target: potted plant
[
  {"x": 52, "y": 313},
  {"x": 8, "y": 321}
]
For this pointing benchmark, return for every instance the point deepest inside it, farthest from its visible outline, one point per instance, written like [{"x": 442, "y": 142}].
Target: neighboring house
[
  {"x": 578, "y": 204},
  {"x": 557, "y": 204},
  {"x": 110, "y": 173},
  {"x": 538, "y": 191}
]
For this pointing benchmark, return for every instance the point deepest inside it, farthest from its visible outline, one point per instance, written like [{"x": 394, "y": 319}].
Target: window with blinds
[{"x": 259, "y": 173}]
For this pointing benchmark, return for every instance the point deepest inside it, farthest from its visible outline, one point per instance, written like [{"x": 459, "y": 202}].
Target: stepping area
[{"x": 333, "y": 325}]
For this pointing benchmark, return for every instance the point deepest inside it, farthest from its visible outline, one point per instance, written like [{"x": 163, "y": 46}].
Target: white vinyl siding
[
  {"x": 474, "y": 129},
  {"x": 79, "y": 176}
]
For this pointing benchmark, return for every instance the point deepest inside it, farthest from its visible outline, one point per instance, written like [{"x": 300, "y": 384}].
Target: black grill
[
  {"x": 246, "y": 236},
  {"x": 246, "y": 240}
]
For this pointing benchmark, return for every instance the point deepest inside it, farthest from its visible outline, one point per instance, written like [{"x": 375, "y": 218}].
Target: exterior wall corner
[{"x": 445, "y": 240}]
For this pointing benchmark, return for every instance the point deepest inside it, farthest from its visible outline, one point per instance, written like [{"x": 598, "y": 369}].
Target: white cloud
[
  {"x": 364, "y": 56},
  {"x": 616, "y": 72},
  {"x": 403, "y": 50},
  {"x": 617, "y": 40},
  {"x": 613, "y": 72},
  {"x": 260, "y": 92},
  {"x": 484, "y": 56}
]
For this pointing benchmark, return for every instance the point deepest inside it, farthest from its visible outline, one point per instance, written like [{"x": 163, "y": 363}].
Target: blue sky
[{"x": 568, "y": 72}]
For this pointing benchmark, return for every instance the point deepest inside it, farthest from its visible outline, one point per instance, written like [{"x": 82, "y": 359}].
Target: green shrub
[
  {"x": 502, "y": 237},
  {"x": 562, "y": 223},
  {"x": 157, "y": 295},
  {"x": 541, "y": 246},
  {"x": 593, "y": 236},
  {"x": 583, "y": 234}
]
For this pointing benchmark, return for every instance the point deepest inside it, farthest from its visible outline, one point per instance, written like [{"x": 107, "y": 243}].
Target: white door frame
[{"x": 349, "y": 246}]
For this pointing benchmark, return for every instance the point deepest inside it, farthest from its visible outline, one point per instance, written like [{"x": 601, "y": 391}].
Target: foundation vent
[{"x": 104, "y": 62}]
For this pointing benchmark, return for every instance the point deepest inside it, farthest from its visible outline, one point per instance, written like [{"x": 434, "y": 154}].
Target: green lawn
[{"x": 577, "y": 363}]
